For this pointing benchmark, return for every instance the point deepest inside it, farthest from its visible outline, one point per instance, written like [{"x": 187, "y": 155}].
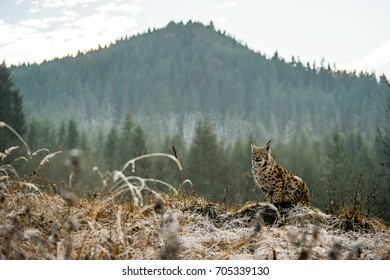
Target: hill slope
[{"x": 171, "y": 77}]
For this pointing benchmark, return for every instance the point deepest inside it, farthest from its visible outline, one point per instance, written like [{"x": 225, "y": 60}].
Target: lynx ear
[
  {"x": 253, "y": 146},
  {"x": 268, "y": 146}
]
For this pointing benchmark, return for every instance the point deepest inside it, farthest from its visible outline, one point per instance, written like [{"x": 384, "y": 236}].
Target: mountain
[{"x": 172, "y": 77}]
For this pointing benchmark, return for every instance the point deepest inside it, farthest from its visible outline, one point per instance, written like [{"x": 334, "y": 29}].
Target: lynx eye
[{"x": 257, "y": 157}]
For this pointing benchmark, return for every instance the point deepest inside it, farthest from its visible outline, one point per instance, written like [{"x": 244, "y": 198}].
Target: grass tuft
[{"x": 3, "y": 124}]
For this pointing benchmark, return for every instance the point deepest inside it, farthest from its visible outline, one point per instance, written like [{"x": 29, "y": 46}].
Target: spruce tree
[
  {"x": 111, "y": 149},
  {"x": 239, "y": 167},
  {"x": 33, "y": 135},
  {"x": 138, "y": 141},
  {"x": 72, "y": 141},
  {"x": 138, "y": 147},
  {"x": 61, "y": 136},
  {"x": 205, "y": 162},
  {"x": 337, "y": 158},
  {"x": 125, "y": 145},
  {"x": 11, "y": 109}
]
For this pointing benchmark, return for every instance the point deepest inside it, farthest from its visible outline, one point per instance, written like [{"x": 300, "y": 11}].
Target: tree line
[{"x": 332, "y": 165}]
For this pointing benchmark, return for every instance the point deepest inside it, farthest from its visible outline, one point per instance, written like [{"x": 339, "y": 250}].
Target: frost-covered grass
[{"x": 36, "y": 225}]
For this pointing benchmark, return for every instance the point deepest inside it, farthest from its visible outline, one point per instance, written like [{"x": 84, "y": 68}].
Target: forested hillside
[
  {"x": 172, "y": 77},
  {"x": 200, "y": 91}
]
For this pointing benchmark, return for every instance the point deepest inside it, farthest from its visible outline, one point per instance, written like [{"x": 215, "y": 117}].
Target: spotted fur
[{"x": 279, "y": 185}]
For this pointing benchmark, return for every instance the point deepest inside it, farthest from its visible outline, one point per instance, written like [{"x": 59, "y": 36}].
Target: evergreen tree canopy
[
  {"x": 111, "y": 149},
  {"x": 73, "y": 135},
  {"x": 126, "y": 137},
  {"x": 11, "y": 109},
  {"x": 205, "y": 161}
]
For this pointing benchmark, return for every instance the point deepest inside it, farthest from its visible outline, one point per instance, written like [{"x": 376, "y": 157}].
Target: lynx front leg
[
  {"x": 277, "y": 195},
  {"x": 268, "y": 198}
]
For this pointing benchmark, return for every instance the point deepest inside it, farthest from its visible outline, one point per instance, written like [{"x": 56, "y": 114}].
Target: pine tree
[
  {"x": 138, "y": 148},
  {"x": 241, "y": 179},
  {"x": 83, "y": 142},
  {"x": 61, "y": 136},
  {"x": 205, "y": 162},
  {"x": 138, "y": 141},
  {"x": 125, "y": 145},
  {"x": 11, "y": 109},
  {"x": 337, "y": 156},
  {"x": 111, "y": 149},
  {"x": 48, "y": 133},
  {"x": 33, "y": 135},
  {"x": 72, "y": 141},
  {"x": 98, "y": 148}
]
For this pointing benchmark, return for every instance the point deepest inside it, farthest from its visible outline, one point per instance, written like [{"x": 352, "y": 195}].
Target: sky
[{"x": 348, "y": 34}]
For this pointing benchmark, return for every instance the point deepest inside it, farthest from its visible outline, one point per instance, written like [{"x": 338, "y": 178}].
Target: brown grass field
[{"x": 39, "y": 225}]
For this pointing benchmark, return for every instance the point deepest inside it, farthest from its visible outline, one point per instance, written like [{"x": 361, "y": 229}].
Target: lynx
[{"x": 280, "y": 186}]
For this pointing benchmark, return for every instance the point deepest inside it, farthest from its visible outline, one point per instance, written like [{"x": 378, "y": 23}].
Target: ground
[{"x": 36, "y": 224}]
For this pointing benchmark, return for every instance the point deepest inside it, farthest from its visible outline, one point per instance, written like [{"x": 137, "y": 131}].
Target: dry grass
[{"x": 36, "y": 225}]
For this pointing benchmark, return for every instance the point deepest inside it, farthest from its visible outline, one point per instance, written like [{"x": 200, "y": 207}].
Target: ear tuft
[
  {"x": 253, "y": 146},
  {"x": 268, "y": 145}
]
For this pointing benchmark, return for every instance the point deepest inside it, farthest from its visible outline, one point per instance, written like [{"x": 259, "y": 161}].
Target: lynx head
[{"x": 261, "y": 155}]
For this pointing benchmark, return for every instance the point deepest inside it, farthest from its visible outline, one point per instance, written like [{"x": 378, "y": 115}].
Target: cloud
[
  {"x": 94, "y": 21},
  {"x": 53, "y": 28},
  {"x": 35, "y": 23},
  {"x": 378, "y": 61},
  {"x": 46, "y": 22},
  {"x": 231, "y": 4},
  {"x": 61, "y": 3},
  {"x": 10, "y": 33},
  {"x": 126, "y": 8},
  {"x": 33, "y": 10},
  {"x": 51, "y": 3},
  {"x": 218, "y": 20},
  {"x": 39, "y": 5},
  {"x": 119, "y": 25}
]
